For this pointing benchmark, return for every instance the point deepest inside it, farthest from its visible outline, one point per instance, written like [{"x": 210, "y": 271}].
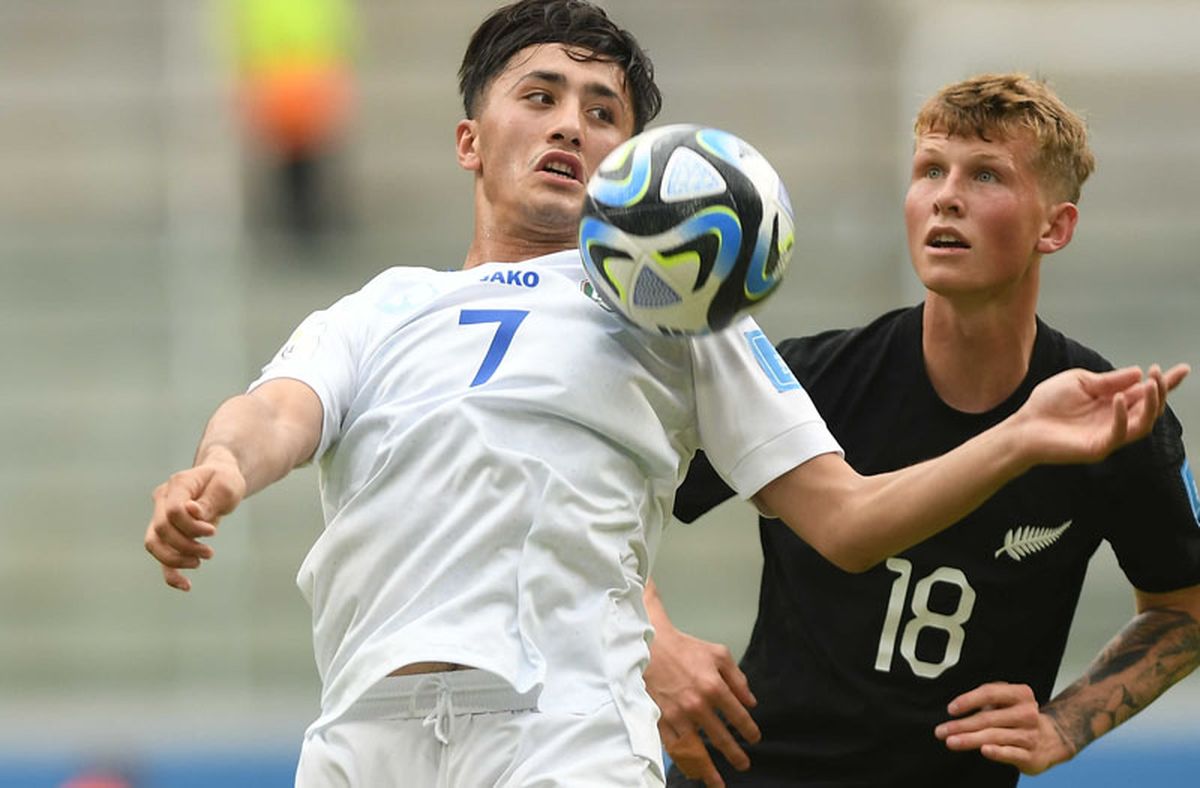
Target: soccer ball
[{"x": 685, "y": 229}]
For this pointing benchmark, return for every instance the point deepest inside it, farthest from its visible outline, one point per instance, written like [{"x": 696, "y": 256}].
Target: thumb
[{"x": 219, "y": 496}]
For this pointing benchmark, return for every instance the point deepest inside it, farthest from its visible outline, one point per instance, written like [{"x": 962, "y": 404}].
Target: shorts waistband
[{"x": 470, "y": 691}]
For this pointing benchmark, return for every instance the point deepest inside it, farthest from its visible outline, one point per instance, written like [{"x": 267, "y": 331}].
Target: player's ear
[
  {"x": 1059, "y": 227},
  {"x": 465, "y": 144}
]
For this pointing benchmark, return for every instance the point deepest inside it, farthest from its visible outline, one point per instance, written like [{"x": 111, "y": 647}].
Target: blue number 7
[{"x": 508, "y": 319}]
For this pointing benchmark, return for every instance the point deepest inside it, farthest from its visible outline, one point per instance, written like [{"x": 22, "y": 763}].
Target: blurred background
[{"x": 181, "y": 182}]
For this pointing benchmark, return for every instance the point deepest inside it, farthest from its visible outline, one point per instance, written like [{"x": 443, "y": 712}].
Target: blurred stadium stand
[{"x": 132, "y": 301}]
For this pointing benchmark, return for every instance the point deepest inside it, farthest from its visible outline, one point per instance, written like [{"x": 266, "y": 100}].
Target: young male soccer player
[
  {"x": 935, "y": 668},
  {"x": 498, "y": 453}
]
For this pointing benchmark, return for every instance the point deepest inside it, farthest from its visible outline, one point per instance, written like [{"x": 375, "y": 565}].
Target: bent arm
[
  {"x": 857, "y": 521},
  {"x": 1158, "y": 648},
  {"x": 250, "y": 441},
  {"x": 266, "y": 433}
]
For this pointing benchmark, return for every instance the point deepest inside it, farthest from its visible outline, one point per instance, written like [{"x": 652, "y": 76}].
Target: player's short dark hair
[{"x": 574, "y": 23}]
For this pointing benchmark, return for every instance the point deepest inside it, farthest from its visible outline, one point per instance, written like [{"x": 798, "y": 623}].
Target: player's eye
[
  {"x": 933, "y": 171},
  {"x": 986, "y": 176},
  {"x": 540, "y": 97},
  {"x": 602, "y": 113}
]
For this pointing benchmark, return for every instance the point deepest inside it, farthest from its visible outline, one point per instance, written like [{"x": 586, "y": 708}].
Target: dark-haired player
[
  {"x": 498, "y": 454},
  {"x": 935, "y": 667}
]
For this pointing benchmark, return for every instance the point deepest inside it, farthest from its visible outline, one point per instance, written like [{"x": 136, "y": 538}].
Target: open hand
[{"x": 1080, "y": 416}]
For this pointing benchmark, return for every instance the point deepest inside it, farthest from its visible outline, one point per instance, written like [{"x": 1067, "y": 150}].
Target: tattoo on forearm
[{"x": 1155, "y": 650}]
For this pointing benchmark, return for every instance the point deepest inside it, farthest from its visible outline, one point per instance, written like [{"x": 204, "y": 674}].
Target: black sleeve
[
  {"x": 702, "y": 489},
  {"x": 1152, "y": 510}
]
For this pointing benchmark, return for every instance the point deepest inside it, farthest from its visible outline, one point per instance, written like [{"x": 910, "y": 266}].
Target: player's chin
[{"x": 557, "y": 213}]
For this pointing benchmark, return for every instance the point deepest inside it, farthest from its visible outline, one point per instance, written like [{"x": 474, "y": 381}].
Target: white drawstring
[{"x": 441, "y": 719}]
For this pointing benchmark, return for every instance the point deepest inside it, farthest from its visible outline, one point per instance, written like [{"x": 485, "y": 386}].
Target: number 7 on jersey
[{"x": 509, "y": 320}]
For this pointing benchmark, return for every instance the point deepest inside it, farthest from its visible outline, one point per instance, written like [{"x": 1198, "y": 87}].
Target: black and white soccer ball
[{"x": 685, "y": 229}]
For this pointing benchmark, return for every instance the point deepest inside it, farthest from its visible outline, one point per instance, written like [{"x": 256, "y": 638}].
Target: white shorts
[{"x": 470, "y": 729}]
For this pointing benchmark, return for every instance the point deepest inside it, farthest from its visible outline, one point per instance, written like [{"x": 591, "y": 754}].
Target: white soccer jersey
[{"x": 498, "y": 456}]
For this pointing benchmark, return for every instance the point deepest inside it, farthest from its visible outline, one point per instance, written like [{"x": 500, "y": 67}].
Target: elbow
[
  {"x": 847, "y": 556},
  {"x": 853, "y": 562}
]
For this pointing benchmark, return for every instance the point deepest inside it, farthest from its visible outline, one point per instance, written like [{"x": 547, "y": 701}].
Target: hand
[
  {"x": 187, "y": 508},
  {"x": 1003, "y": 721},
  {"x": 691, "y": 680},
  {"x": 1081, "y": 416}
]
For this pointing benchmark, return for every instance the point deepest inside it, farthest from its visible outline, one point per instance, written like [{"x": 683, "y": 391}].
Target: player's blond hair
[{"x": 1004, "y": 106}]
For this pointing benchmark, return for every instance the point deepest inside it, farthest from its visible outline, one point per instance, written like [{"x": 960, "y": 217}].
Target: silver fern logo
[{"x": 1029, "y": 539}]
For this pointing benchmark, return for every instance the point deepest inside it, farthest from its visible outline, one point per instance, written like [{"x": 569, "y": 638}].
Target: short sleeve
[
  {"x": 321, "y": 353},
  {"x": 756, "y": 422},
  {"x": 1150, "y": 503}
]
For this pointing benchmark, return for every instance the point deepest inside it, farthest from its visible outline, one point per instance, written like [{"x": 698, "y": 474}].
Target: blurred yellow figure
[{"x": 295, "y": 74}]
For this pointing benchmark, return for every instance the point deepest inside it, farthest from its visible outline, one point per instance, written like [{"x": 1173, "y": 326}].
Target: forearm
[
  {"x": 1073, "y": 417},
  {"x": 1155, "y": 650},
  {"x": 654, "y": 606},
  {"x": 249, "y": 432},
  {"x": 857, "y": 521},
  {"x": 899, "y": 509}
]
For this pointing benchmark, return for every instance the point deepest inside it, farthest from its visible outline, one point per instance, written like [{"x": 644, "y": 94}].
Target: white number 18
[{"x": 950, "y": 623}]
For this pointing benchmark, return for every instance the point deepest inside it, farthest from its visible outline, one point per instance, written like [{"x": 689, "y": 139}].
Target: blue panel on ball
[
  {"x": 689, "y": 176},
  {"x": 629, "y": 182},
  {"x": 594, "y": 231},
  {"x": 723, "y": 223},
  {"x": 722, "y": 144},
  {"x": 758, "y": 283}
]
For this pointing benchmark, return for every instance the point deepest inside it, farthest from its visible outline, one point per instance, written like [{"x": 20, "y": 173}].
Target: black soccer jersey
[{"x": 853, "y": 672}]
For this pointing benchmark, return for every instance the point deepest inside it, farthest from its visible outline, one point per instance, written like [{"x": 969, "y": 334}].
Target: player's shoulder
[
  {"x": 1064, "y": 352},
  {"x": 401, "y": 290},
  {"x": 850, "y": 348}
]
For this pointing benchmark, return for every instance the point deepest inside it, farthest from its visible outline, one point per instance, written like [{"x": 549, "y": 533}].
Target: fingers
[
  {"x": 1002, "y": 722},
  {"x": 176, "y": 579},
  {"x": 737, "y": 682},
  {"x": 993, "y": 705},
  {"x": 1001, "y": 725},
  {"x": 699, "y": 688},
  {"x": 734, "y": 706},
  {"x": 1137, "y": 401},
  {"x": 1013, "y": 755},
  {"x": 691, "y": 756},
  {"x": 180, "y": 521},
  {"x": 995, "y": 693},
  {"x": 1105, "y": 384},
  {"x": 719, "y": 733},
  {"x": 1175, "y": 375}
]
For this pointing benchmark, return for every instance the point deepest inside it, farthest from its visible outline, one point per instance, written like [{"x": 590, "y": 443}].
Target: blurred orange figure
[{"x": 294, "y": 71}]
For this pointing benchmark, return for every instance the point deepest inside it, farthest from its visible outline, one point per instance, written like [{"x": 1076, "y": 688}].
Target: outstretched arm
[
  {"x": 1159, "y": 647},
  {"x": 250, "y": 441},
  {"x": 857, "y": 521},
  {"x": 692, "y": 680}
]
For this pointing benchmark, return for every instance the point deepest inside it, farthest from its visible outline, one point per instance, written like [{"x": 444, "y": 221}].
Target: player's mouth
[
  {"x": 561, "y": 165},
  {"x": 945, "y": 238}
]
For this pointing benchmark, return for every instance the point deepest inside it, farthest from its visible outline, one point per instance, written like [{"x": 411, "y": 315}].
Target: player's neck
[
  {"x": 977, "y": 355},
  {"x": 512, "y": 237},
  {"x": 511, "y": 250}
]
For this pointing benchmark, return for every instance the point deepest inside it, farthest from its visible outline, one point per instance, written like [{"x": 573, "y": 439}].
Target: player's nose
[{"x": 567, "y": 124}]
